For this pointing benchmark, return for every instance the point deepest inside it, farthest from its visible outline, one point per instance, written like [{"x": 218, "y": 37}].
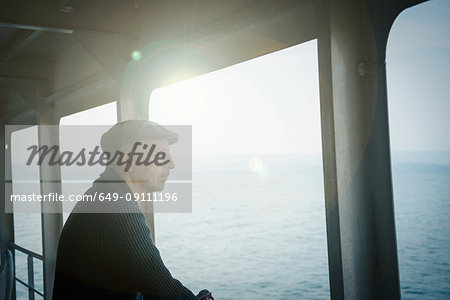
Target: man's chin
[{"x": 156, "y": 187}]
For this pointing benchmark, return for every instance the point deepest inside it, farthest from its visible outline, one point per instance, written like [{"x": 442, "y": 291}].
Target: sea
[{"x": 259, "y": 232}]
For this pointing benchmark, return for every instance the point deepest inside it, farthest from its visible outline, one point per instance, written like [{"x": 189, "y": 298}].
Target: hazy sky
[
  {"x": 271, "y": 104},
  {"x": 266, "y": 105},
  {"x": 418, "y": 73}
]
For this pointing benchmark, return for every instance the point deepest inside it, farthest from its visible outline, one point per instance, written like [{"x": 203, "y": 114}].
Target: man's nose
[{"x": 170, "y": 164}]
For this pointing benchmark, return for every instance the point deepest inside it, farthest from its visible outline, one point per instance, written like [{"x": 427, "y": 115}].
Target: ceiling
[{"x": 54, "y": 50}]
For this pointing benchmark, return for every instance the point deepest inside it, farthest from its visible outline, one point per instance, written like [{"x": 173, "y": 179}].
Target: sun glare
[{"x": 262, "y": 106}]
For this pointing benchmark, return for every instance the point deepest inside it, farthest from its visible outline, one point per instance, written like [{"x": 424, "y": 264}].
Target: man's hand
[{"x": 205, "y": 295}]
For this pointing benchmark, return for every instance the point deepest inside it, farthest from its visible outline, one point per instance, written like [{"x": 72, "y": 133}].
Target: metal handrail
[
  {"x": 30, "y": 266},
  {"x": 28, "y": 252},
  {"x": 34, "y": 290}
]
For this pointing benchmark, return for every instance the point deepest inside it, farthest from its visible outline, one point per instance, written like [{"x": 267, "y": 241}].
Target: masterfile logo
[
  {"x": 91, "y": 158},
  {"x": 55, "y": 168}
]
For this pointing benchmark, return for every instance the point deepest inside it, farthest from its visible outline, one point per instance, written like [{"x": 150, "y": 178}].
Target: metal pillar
[
  {"x": 51, "y": 222},
  {"x": 357, "y": 173},
  {"x": 6, "y": 219},
  {"x": 135, "y": 106}
]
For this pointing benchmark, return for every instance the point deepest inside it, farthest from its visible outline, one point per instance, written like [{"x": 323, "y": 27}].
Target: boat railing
[{"x": 30, "y": 284}]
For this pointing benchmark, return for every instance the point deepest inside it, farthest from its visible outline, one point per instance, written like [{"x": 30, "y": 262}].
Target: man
[{"x": 109, "y": 254}]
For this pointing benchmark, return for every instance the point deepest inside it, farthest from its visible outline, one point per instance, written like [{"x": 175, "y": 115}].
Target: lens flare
[
  {"x": 255, "y": 164},
  {"x": 136, "y": 55},
  {"x": 264, "y": 172}
]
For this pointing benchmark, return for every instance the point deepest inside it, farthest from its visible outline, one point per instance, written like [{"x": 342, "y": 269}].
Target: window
[
  {"x": 257, "y": 229},
  {"x": 27, "y": 226},
  {"x": 418, "y": 68}
]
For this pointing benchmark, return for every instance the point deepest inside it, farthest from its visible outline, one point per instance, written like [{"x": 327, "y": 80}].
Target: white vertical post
[
  {"x": 133, "y": 104},
  {"x": 358, "y": 189},
  {"x": 51, "y": 214},
  {"x": 329, "y": 155},
  {"x": 6, "y": 219}
]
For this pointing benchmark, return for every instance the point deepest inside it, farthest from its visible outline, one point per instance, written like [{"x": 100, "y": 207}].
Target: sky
[
  {"x": 266, "y": 105},
  {"x": 271, "y": 104},
  {"x": 418, "y": 78}
]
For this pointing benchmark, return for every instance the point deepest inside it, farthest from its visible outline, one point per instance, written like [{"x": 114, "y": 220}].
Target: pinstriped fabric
[{"x": 113, "y": 251}]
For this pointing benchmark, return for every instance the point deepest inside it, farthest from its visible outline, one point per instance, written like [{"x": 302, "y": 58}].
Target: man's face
[{"x": 152, "y": 177}]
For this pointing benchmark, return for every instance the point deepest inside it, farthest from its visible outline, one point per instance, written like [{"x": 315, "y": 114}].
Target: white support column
[
  {"x": 7, "y": 224},
  {"x": 329, "y": 155},
  {"x": 134, "y": 95},
  {"x": 50, "y": 183},
  {"x": 133, "y": 104},
  {"x": 358, "y": 189},
  {"x": 6, "y": 219}
]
